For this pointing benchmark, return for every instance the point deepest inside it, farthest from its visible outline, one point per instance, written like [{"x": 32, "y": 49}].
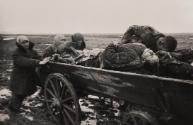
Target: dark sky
[{"x": 94, "y": 16}]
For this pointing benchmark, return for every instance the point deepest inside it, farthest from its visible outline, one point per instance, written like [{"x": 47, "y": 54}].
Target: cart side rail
[{"x": 148, "y": 90}]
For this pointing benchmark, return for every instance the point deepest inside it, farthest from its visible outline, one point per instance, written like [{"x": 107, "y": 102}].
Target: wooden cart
[{"x": 151, "y": 100}]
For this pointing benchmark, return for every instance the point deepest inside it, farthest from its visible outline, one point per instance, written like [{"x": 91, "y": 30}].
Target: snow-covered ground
[{"x": 95, "y": 111}]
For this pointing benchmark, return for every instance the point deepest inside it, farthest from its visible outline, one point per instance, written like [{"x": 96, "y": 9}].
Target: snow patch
[
  {"x": 27, "y": 116},
  {"x": 4, "y": 93},
  {"x": 9, "y": 38},
  {"x": 4, "y": 117}
]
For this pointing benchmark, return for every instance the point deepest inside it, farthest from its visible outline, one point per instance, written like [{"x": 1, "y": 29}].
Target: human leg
[{"x": 15, "y": 102}]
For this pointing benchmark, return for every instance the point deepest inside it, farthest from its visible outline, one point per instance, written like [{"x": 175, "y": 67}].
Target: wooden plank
[{"x": 147, "y": 90}]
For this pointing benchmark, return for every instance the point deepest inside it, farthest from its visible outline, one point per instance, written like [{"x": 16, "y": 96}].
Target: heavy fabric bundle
[{"x": 123, "y": 56}]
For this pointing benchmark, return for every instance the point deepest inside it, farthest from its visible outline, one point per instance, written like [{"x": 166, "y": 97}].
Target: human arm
[{"x": 23, "y": 61}]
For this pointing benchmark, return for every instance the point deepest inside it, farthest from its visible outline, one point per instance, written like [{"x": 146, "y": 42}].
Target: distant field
[{"x": 185, "y": 40}]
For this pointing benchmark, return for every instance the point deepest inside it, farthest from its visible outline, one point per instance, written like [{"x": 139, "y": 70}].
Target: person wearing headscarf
[
  {"x": 78, "y": 41},
  {"x": 61, "y": 50},
  {"x": 59, "y": 43},
  {"x": 23, "y": 77},
  {"x": 150, "y": 37}
]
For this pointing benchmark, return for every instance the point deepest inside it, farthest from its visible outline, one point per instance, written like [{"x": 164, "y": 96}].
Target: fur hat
[{"x": 171, "y": 43}]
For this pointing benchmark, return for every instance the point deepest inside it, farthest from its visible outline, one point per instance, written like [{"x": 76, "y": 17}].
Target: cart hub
[{"x": 56, "y": 102}]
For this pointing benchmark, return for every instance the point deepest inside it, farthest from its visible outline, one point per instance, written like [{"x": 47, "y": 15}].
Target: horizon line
[{"x": 83, "y": 33}]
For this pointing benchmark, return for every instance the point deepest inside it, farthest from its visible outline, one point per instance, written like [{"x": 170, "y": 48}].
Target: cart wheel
[
  {"x": 61, "y": 100},
  {"x": 140, "y": 118}
]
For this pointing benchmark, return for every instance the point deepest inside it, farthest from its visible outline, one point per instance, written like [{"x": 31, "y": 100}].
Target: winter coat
[
  {"x": 184, "y": 55},
  {"x": 78, "y": 41},
  {"x": 146, "y": 34},
  {"x": 23, "y": 78},
  {"x": 59, "y": 49},
  {"x": 171, "y": 67},
  {"x": 122, "y": 56}
]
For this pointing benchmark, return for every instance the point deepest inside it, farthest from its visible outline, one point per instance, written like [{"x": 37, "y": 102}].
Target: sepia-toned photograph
[{"x": 96, "y": 62}]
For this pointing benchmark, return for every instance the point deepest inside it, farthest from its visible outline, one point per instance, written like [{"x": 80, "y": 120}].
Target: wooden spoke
[
  {"x": 63, "y": 89},
  {"x": 57, "y": 84},
  {"x": 141, "y": 118},
  {"x": 53, "y": 87},
  {"x": 69, "y": 117},
  {"x": 50, "y": 92},
  {"x": 67, "y": 99},
  {"x": 64, "y": 119},
  {"x": 61, "y": 99},
  {"x": 69, "y": 108}
]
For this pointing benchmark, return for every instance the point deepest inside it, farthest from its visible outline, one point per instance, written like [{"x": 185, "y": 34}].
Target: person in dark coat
[
  {"x": 23, "y": 78},
  {"x": 150, "y": 37},
  {"x": 78, "y": 41}
]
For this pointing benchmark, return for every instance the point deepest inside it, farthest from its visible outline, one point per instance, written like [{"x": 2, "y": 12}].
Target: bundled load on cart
[{"x": 149, "y": 99}]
